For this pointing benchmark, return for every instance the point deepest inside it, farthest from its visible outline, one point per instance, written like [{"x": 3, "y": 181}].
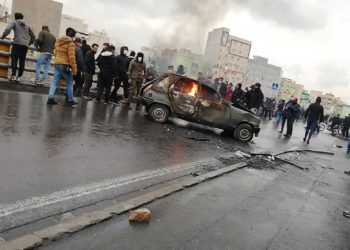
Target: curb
[{"x": 45, "y": 236}]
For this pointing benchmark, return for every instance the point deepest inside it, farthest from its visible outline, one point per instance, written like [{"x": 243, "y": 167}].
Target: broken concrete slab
[
  {"x": 29, "y": 241},
  {"x": 86, "y": 220},
  {"x": 52, "y": 233}
]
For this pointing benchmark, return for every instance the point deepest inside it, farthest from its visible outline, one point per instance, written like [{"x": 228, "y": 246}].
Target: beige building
[
  {"x": 314, "y": 94},
  {"x": 73, "y": 22},
  {"x": 270, "y": 76},
  {"x": 40, "y": 12},
  {"x": 290, "y": 88},
  {"x": 98, "y": 37},
  {"x": 193, "y": 63},
  {"x": 227, "y": 56}
]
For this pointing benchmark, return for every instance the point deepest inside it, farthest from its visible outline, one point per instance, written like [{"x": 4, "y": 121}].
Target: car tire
[
  {"x": 158, "y": 113},
  {"x": 244, "y": 133}
]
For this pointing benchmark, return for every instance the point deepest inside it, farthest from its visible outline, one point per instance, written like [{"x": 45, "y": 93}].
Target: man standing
[
  {"x": 85, "y": 47},
  {"x": 137, "y": 76},
  {"x": 24, "y": 36},
  {"x": 90, "y": 67},
  {"x": 45, "y": 44},
  {"x": 291, "y": 111},
  {"x": 346, "y": 126},
  {"x": 238, "y": 94},
  {"x": 78, "y": 78},
  {"x": 279, "y": 113},
  {"x": 108, "y": 71},
  {"x": 335, "y": 123},
  {"x": 270, "y": 107},
  {"x": 152, "y": 72},
  {"x": 123, "y": 62},
  {"x": 314, "y": 114},
  {"x": 65, "y": 66},
  {"x": 254, "y": 98}
]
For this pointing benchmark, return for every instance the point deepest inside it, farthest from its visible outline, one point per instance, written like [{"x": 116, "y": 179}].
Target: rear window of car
[{"x": 209, "y": 94}]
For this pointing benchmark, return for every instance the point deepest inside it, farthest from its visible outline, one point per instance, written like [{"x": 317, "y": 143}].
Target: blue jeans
[
  {"x": 310, "y": 129},
  {"x": 59, "y": 74},
  {"x": 279, "y": 116},
  {"x": 45, "y": 58}
]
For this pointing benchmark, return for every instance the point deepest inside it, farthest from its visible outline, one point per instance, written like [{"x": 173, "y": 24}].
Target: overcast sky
[{"x": 309, "y": 39}]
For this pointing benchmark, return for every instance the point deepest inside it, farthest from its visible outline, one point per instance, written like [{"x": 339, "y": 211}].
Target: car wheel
[
  {"x": 244, "y": 133},
  {"x": 159, "y": 113}
]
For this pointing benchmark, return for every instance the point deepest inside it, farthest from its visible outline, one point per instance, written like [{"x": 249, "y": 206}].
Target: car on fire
[{"x": 187, "y": 99}]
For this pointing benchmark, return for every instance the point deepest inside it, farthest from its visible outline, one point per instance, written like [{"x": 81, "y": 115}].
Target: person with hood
[
  {"x": 24, "y": 37},
  {"x": 181, "y": 70},
  {"x": 65, "y": 66},
  {"x": 122, "y": 61},
  {"x": 46, "y": 45},
  {"x": 290, "y": 113},
  {"x": 314, "y": 114},
  {"x": 108, "y": 71},
  {"x": 137, "y": 76},
  {"x": 90, "y": 66},
  {"x": 238, "y": 94},
  {"x": 79, "y": 57}
]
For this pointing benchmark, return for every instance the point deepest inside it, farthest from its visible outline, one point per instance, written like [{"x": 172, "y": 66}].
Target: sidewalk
[{"x": 285, "y": 208}]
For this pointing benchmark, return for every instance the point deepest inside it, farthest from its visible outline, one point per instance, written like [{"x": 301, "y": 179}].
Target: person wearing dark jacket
[
  {"x": 254, "y": 98},
  {"x": 290, "y": 113},
  {"x": 314, "y": 114},
  {"x": 24, "y": 37},
  {"x": 90, "y": 66},
  {"x": 279, "y": 114},
  {"x": 78, "y": 78},
  {"x": 122, "y": 61},
  {"x": 85, "y": 47},
  {"x": 137, "y": 76},
  {"x": 346, "y": 126},
  {"x": 238, "y": 94},
  {"x": 335, "y": 123},
  {"x": 46, "y": 45},
  {"x": 108, "y": 70}
]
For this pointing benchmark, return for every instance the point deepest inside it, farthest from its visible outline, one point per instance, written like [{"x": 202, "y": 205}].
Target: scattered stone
[
  {"x": 347, "y": 172},
  {"x": 140, "y": 215},
  {"x": 346, "y": 214}
]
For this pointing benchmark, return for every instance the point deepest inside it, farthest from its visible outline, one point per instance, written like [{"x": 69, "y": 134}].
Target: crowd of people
[{"x": 75, "y": 63}]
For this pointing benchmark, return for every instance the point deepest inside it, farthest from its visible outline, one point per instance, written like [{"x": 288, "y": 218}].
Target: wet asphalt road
[{"x": 47, "y": 149}]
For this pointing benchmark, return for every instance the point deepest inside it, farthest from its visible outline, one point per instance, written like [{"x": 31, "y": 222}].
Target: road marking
[{"x": 83, "y": 190}]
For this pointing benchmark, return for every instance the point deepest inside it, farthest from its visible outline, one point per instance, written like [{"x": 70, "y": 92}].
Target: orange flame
[{"x": 194, "y": 90}]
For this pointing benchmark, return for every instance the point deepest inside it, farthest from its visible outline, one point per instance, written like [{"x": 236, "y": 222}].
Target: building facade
[
  {"x": 73, "y": 22},
  {"x": 270, "y": 76},
  {"x": 193, "y": 63},
  {"x": 40, "y": 12},
  {"x": 290, "y": 88},
  {"x": 227, "y": 56},
  {"x": 345, "y": 110}
]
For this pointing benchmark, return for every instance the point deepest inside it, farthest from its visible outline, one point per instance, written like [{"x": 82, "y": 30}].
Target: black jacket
[
  {"x": 107, "y": 64},
  {"x": 237, "y": 94},
  {"x": 90, "y": 63},
  {"x": 85, "y": 48},
  {"x": 122, "y": 62},
  {"x": 291, "y": 110},
  {"x": 79, "y": 59},
  {"x": 223, "y": 89},
  {"x": 254, "y": 98},
  {"x": 315, "y": 112},
  {"x": 45, "y": 42},
  {"x": 346, "y": 122}
]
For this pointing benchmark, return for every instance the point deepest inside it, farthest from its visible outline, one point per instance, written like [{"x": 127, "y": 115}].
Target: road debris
[
  {"x": 140, "y": 215},
  {"x": 346, "y": 214},
  {"x": 347, "y": 172}
]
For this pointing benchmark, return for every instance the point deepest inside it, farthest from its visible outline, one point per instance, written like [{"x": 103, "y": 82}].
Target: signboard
[
  {"x": 305, "y": 96},
  {"x": 275, "y": 86}
]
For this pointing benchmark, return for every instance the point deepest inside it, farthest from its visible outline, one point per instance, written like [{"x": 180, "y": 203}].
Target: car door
[
  {"x": 183, "y": 95},
  {"x": 212, "y": 108}
]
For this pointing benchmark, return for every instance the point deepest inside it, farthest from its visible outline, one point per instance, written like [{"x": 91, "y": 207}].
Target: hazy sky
[{"x": 309, "y": 39}]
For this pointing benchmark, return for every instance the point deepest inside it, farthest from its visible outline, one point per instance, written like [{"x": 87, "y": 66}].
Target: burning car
[{"x": 192, "y": 101}]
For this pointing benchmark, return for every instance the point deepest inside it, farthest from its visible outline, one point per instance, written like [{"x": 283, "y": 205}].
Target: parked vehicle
[{"x": 179, "y": 96}]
